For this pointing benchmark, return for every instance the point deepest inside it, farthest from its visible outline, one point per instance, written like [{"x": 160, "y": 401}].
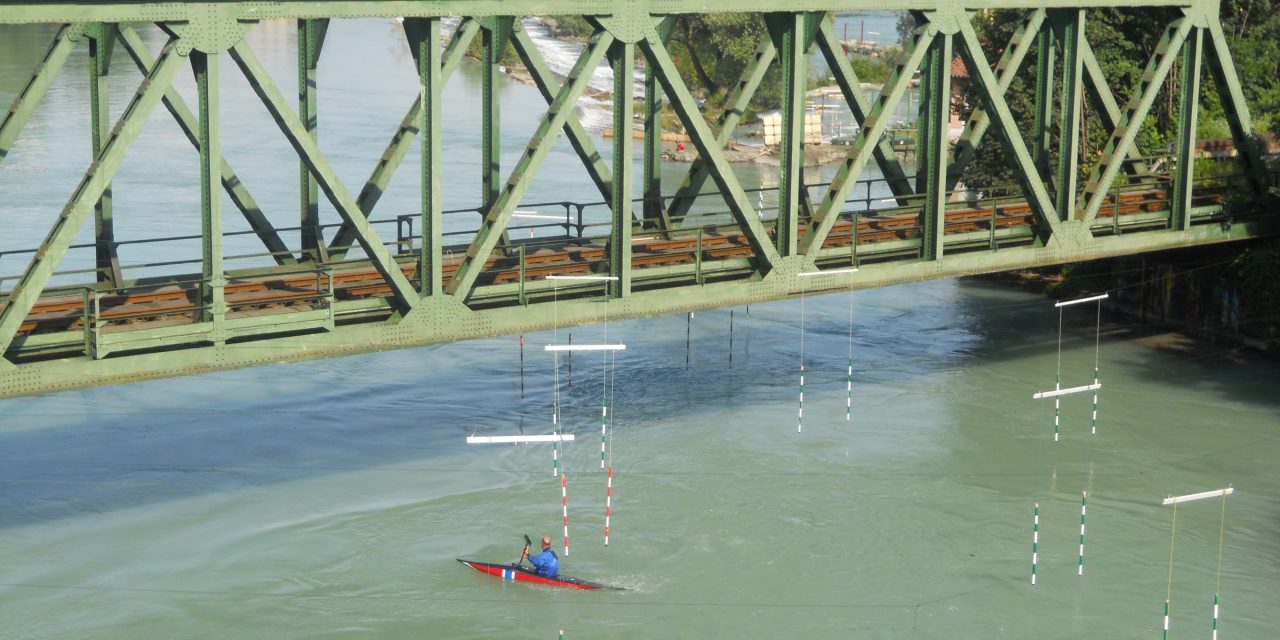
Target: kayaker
[{"x": 546, "y": 563}]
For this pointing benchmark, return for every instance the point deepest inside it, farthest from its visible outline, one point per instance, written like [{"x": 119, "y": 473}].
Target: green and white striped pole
[
  {"x": 1094, "y": 429},
  {"x": 604, "y": 415},
  {"x": 1166, "y": 620},
  {"x": 848, "y": 404},
  {"x": 800, "y": 413},
  {"x": 555, "y": 444},
  {"x": 1084, "y": 499},
  {"x": 1057, "y": 406},
  {"x": 1035, "y": 543},
  {"x": 1215, "y": 616}
]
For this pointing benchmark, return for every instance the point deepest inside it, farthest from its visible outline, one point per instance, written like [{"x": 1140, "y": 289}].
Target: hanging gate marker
[
  {"x": 555, "y": 437},
  {"x": 1066, "y": 392},
  {"x": 585, "y": 347},
  {"x": 1058, "y": 391},
  {"x": 521, "y": 367},
  {"x": 604, "y": 415},
  {"x": 848, "y": 412},
  {"x": 1173, "y": 532},
  {"x": 1198, "y": 496}
]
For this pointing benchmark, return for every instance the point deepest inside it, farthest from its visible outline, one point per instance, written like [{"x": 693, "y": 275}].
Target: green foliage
[
  {"x": 712, "y": 50},
  {"x": 1123, "y": 41},
  {"x": 1257, "y": 270},
  {"x": 872, "y": 70}
]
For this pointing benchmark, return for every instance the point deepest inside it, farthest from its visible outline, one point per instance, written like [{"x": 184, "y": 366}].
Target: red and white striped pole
[
  {"x": 564, "y": 503},
  {"x": 608, "y": 506}
]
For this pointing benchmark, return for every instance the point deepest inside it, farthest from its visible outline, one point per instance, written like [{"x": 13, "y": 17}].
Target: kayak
[{"x": 518, "y": 573}]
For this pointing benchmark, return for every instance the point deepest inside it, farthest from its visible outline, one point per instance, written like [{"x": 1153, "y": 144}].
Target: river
[{"x": 330, "y": 498}]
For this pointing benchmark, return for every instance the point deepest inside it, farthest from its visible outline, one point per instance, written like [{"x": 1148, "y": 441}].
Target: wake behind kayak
[{"x": 517, "y": 573}]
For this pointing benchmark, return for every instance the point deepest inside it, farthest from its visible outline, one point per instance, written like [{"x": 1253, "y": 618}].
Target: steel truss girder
[
  {"x": 424, "y": 41},
  {"x": 311, "y": 34},
  {"x": 1024, "y": 37},
  {"x": 709, "y": 147},
  {"x": 1188, "y": 110},
  {"x": 499, "y": 213},
  {"x": 235, "y": 189},
  {"x": 403, "y": 138},
  {"x": 549, "y": 86},
  {"x": 655, "y": 212},
  {"x": 623, "y": 59},
  {"x": 933, "y": 152},
  {"x": 295, "y": 131},
  {"x": 213, "y": 308},
  {"x": 69, "y": 373},
  {"x": 1069, "y": 26},
  {"x": 738, "y": 102},
  {"x": 1223, "y": 71},
  {"x": 849, "y": 83},
  {"x": 1122, "y": 137},
  {"x": 95, "y": 181},
  {"x": 790, "y": 33},
  {"x": 59, "y": 11},
  {"x": 860, "y": 152},
  {"x": 1010, "y": 139},
  {"x": 41, "y": 78}
]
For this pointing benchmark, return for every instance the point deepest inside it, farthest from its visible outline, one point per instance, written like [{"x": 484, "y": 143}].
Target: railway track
[{"x": 177, "y": 302}]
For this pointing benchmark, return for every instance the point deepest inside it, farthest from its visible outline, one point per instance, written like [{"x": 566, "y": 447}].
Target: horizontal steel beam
[
  {"x": 51, "y": 12},
  {"x": 459, "y": 323}
]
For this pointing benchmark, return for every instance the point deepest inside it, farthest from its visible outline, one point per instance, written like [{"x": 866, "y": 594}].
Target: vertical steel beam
[
  {"x": 25, "y": 104},
  {"x": 549, "y": 86},
  {"x": 213, "y": 306},
  {"x": 326, "y": 178},
  {"x": 403, "y": 138},
  {"x": 1069, "y": 24},
  {"x": 497, "y": 216},
  {"x": 424, "y": 38},
  {"x": 95, "y": 180},
  {"x": 711, "y": 149},
  {"x": 235, "y": 189},
  {"x": 310, "y": 41},
  {"x": 1042, "y": 135},
  {"x": 738, "y": 103},
  {"x": 102, "y": 40},
  {"x": 494, "y": 38},
  {"x": 1024, "y": 37},
  {"x": 850, "y": 86},
  {"x": 933, "y": 156},
  {"x": 1223, "y": 71},
  {"x": 1117, "y": 147},
  {"x": 623, "y": 58},
  {"x": 1188, "y": 111},
  {"x": 993, "y": 102},
  {"x": 789, "y": 33},
  {"x": 868, "y": 137},
  {"x": 655, "y": 212}
]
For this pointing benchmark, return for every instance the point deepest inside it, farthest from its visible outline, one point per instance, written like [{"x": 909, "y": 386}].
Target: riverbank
[{"x": 1197, "y": 302}]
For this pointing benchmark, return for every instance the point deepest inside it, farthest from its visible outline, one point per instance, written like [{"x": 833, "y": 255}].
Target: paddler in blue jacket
[{"x": 546, "y": 563}]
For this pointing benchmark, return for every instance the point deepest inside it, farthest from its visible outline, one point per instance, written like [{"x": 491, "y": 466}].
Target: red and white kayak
[{"x": 517, "y": 573}]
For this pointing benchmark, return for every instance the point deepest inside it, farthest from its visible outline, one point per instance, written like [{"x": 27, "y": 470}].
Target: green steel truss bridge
[{"x": 362, "y": 289}]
